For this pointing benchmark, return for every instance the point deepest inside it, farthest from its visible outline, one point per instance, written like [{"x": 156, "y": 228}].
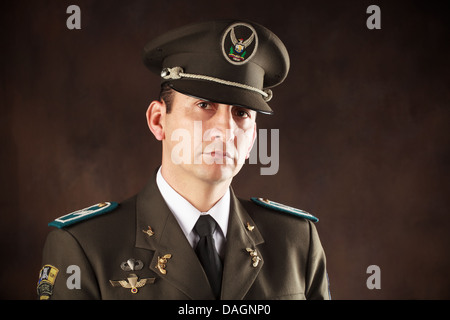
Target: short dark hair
[{"x": 166, "y": 96}]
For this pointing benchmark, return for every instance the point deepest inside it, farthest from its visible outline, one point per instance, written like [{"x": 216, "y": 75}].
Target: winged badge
[
  {"x": 237, "y": 53},
  {"x": 132, "y": 282}
]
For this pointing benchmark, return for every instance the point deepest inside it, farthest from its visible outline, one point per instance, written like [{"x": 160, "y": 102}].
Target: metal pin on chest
[
  {"x": 131, "y": 265},
  {"x": 132, "y": 282}
]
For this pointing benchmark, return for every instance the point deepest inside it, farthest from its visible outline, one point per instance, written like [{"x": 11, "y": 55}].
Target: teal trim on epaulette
[
  {"x": 284, "y": 208},
  {"x": 83, "y": 214}
]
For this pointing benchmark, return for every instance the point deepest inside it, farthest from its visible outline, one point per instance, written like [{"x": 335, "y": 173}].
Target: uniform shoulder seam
[
  {"x": 83, "y": 214},
  {"x": 266, "y": 203}
]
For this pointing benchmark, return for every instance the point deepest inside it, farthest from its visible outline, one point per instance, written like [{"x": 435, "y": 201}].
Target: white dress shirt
[{"x": 187, "y": 215}]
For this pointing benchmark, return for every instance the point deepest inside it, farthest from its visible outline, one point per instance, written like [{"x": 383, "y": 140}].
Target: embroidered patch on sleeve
[{"x": 47, "y": 277}]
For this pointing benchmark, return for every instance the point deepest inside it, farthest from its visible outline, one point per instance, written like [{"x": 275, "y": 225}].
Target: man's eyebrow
[
  {"x": 197, "y": 99},
  {"x": 244, "y": 108}
]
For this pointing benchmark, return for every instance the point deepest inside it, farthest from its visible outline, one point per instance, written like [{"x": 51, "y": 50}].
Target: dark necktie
[{"x": 207, "y": 253}]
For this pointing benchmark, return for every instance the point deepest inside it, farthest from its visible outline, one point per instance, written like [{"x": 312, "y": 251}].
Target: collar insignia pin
[
  {"x": 250, "y": 227},
  {"x": 162, "y": 263},
  {"x": 254, "y": 255},
  {"x": 149, "y": 231}
]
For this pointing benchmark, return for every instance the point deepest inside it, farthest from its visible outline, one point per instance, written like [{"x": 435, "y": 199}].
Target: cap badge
[{"x": 239, "y": 43}]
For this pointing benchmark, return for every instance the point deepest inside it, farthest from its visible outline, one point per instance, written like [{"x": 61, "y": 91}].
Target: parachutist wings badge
[{"x": 132, "y": 282}]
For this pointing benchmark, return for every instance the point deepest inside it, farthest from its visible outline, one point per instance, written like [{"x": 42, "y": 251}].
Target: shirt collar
[{"x": 186, "y": 214}]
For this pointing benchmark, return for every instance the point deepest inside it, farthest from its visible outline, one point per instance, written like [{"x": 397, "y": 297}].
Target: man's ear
[
  {"x": 253, "y": 142},
  {"x": 155, "y": 118}
]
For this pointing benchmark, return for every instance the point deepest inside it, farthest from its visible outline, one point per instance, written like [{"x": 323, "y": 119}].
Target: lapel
[
  {"x": 183, "y": 269},
  {"x": 239, "y": 273}
]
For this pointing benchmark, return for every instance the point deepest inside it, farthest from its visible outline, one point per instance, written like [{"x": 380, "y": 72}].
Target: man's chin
[{"x": 215, "y": 172}]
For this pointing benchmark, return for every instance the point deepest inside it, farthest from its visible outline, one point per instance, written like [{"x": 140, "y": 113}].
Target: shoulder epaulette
[
  {"x": 284, "y": 208},
  {"x": 83, "y": 214}
]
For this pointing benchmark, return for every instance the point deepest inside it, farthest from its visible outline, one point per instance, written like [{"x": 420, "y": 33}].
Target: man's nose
[{"x": 224, "y": 125}]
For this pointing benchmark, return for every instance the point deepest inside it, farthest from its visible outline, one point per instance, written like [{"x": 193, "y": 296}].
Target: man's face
[{"x": 206, "y": 140}]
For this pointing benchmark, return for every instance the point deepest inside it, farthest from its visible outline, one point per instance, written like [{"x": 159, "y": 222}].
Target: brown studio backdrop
[{"x": 363, "y": 119}]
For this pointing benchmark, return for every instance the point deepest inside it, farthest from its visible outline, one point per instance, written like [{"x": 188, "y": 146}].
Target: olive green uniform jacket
[{"x": 288, "y": 261}]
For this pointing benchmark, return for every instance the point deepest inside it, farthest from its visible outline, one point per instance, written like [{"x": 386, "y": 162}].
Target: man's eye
[
  {"x": 203, "y": 105},
  {"x": 242, "y": 113}
]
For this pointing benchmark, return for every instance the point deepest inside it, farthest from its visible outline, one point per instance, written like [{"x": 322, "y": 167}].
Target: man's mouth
[{"x": 220, "y": 154}]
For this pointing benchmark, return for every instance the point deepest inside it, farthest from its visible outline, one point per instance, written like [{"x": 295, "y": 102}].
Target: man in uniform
[{"x": 186, "y": 235}]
